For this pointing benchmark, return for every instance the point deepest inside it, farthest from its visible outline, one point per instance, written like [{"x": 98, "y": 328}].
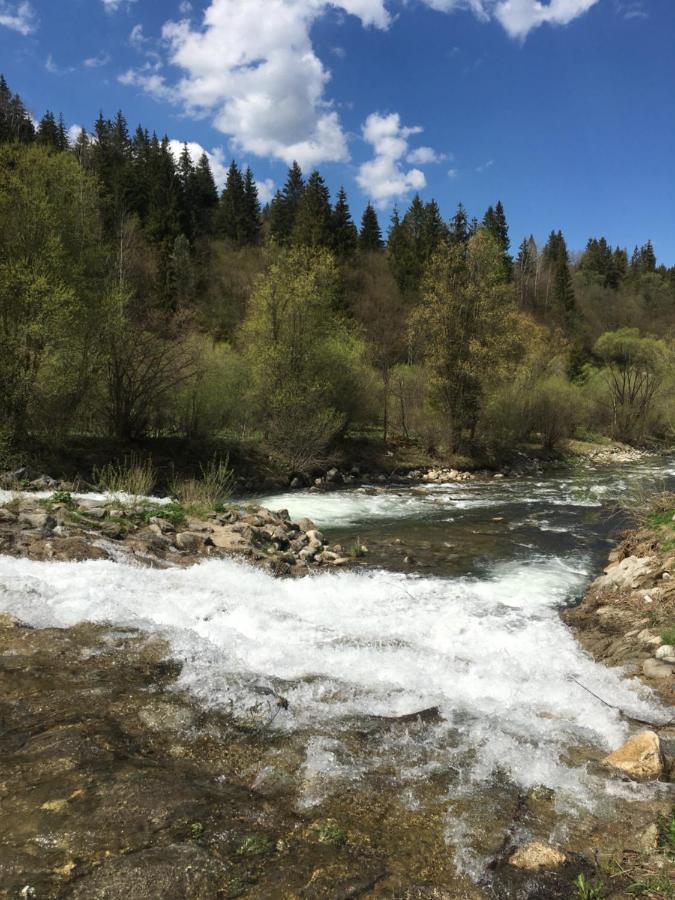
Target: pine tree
[
  {"x": 252, "y": 218},
  {"x": 344, "y": 235},
  {"x": 15, "y": 122},
  {"x": 62, "y": 141},
  {"x": 494, "y": 222},
  {"x": 284, "y": 206},
  {"x": 459, "y": 227},
  {"x": 312, "y": 226},
  {"x": 204, "y": 197},
  {"x": 370, "y": 236},
  {"x": 231, "y": 216},
  {"x": 47, "y": 132}
]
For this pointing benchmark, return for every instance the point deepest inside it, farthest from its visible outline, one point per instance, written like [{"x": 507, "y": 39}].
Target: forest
[{"x": 138, "y": 301}]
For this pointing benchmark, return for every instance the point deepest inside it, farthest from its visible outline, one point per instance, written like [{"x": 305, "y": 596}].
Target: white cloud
[
  {"x": 453, "y": 173},
  {"x": 266, "y": 190},
  {"x": 54, "y": 69},
  {"x": 112, "y": 6},
  {"x": 424, "y": 155},
  {"x": 74, "y": 132},
  {"x": 485, "y": 166},
  {"x": 150, "y": 81},
  {"x": 518, "y": 17},
  {"x": 383, "y": 177},
  {"x": 18, "y": 16},
  {"x": 252, "y": 68},
  {"x": 95, "y": 62}
]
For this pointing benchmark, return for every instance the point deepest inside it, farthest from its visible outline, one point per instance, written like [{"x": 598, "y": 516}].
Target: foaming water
[
  {"x": 96, "y": 496},
  {"x": 490, "y": 653}
]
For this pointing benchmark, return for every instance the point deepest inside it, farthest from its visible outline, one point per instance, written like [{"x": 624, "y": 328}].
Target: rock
[
  {"x": 333, "y": 476},
  {"x": 189, "y": 540},
  {"x": 36, "y": 520},
  {"x": 97, "y": 512},
  {"x": 306, "y": 525},
  {"x": 628, "y": 575},
  {"x": 646, "y": 636},
  {"x": 666, "y": 652},
  {"x": 655, "y": 668},
  {"x": 297, "y": 482},
  {"x": 537, "y": 855},
  {"x": 640, "y": 757},
  {"x": 164, "y": 526},
  {"x": 314, "y": 536},
  {"x": 6, "y": 516}
]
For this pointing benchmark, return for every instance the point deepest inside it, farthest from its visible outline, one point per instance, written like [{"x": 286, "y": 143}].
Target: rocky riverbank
[{"x": 63, "y": 527}]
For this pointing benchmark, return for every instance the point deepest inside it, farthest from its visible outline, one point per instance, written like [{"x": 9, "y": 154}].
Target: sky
[{"x": 562, "y": 109}]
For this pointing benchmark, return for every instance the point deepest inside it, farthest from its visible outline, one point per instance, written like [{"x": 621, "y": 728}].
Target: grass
[
  {"x": 256, "y": 845},
  {"x": 587, "y": 890},
  {"x": 135, "y": 475},
  {"x": 171, "y": 512},
  {"x": 211, "y": 490},
  {"x": 358, "y": 549},
  {"x": 668, "y": 637}
]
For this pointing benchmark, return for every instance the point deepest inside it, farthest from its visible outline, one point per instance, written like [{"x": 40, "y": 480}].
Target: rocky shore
[{"x": 62, "y": 527}]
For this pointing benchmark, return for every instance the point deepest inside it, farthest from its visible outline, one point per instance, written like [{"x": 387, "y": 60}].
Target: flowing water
[{"x": 455, "y": 606}]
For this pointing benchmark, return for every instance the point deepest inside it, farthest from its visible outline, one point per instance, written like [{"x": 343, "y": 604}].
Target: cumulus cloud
[
  {"x": 19, "y": 17},
  {"x": 425, "y": 155},
  {"x": 518, "y": 17},
  {"x": 150, "y": 81},
  {"x": 383, "y": 178},
  {"x": 251, "y": 67}
]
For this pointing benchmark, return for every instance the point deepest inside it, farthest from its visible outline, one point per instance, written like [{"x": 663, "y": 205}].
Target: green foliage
[
  {"x": 134, "y": 475},
  {"x": 587, "y": 890},
  {"x": 212, "y": 489},
  {"x": 668, "y": 637},
  {"x": 174, "y": 513},
  {"x": 256, "y": 845}
]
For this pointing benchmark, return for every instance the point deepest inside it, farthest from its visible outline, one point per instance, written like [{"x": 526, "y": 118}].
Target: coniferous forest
[{"x": 137, "y": 301}]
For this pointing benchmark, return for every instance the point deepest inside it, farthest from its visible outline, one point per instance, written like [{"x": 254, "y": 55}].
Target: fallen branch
[{"x": 619, "y": 710}]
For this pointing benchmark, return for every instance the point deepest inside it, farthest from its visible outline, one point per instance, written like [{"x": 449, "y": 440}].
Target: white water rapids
[{"x": 489, "y": 649}]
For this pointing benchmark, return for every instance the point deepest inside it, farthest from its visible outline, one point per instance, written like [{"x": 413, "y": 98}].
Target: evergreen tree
[
  {"x": 231, "y": 217},
  {"x": 47, "y": 132},
  {"x": 62, "y": 142},
  {"x": 15, "y": 122},
  {"x": 284, "y": 207},
  {"x": 494, "y": 223},
  {"x": 459, "y": 227},
  {"x": 344, "y": 235},
  {"x": 204, "y": 197},
  {"x": 370, "y": 236},
  {"x": 313, "y": 219},
  {"x": 252, "y": 219}
]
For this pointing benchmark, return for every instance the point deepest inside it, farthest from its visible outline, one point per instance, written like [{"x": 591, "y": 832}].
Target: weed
[
  {"x": 211, "y": 490},
  {"x": 64, "y": 498},
  {"x": 666, "y": 824},
  {"x": 587, "y": 890},
  {"x": 256, "y": 845},
  {"x": 358, "y": 549},
  {"x": 329, "y": 832},
  {"x": 668, "y": 636},
  {"x": 196, "y": 831},
  {"x": 134, "y": 475},
  {"x": 655, "y": 886},
  {"x": 172, "y": 512}
]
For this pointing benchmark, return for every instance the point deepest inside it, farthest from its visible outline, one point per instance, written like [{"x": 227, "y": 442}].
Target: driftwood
[{"x": 620, "y": 711}]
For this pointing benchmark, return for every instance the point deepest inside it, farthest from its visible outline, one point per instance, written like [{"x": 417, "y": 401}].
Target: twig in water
[{"x": 619, "y": 710}]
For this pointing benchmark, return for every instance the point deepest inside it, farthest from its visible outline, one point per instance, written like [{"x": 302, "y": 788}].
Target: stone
[
  {"x": 640, "y": 757},
  {"x": 189, "y": 540},
  {"x": 629, "y": 574},
  {"x": 333, "y": 476},
  {"x": 314, "y": 536},
  {"x": 656, "y": 668},
  {"x": 666, "y": 652},
  {"x": 36, "y": 520},
  {"x": 537, "y": 855},
  {"x": 646, "y": 636},
  {"x": 7, "y": 516},
  {"x": 164, "y": 526},
  {"x": 306, "y": 525}
]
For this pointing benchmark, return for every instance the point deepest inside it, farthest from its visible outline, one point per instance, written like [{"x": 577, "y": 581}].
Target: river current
[{"x": 455, "y": 606}]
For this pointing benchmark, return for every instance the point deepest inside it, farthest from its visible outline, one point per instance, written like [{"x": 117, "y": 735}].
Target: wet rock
[
  {"x": 306, "y": 525},
  {"x": 656, "y": 668},
  {"x": 640, "y": 757},
  {"x": 537, "y": 855},
  {"x": 190, "y": 541},
  {"x": 175, "y": 872},
  {"x": 36, "y": 520}
]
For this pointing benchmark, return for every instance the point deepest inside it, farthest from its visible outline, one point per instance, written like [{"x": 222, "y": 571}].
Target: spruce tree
[
  {"x": 15, "y": 122},
  {"x": 252, "y": 218},
  {"x": 370, "y": 236},
  {"x": 204, "y": 197},
  {"x": 459, "y": 227},
  {"x": 313, "y": 219},
  {"x": 47, "y": 132},
  {"x": 344, "y": 235},
  {"x": 231, "y": 217},
  {"x": 284, "y": 206}
]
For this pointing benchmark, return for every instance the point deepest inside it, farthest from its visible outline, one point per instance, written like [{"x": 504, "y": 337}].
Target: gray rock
[
  {"x": 36, "y": 520},
  {"x": 654, "y": 668},
  {"x": 189, "y": 540},
  {"x": 306, "y": 525}
]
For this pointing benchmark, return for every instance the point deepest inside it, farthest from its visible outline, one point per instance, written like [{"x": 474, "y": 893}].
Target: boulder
[
  {"x": 640, "y": 757},
  {"x": 189, "y": 540},
  {"x": 537, "y": 855},
  {"x": 656, "y": 668},
  {"x": 36, "y": 520},
  {"x": 666, "y": 653},
  {"x": 628, "y": 575},
  {"x": 306, "y": 525}
]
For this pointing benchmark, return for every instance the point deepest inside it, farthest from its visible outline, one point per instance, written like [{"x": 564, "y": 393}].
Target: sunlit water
[{"x": 476, "y": 633}]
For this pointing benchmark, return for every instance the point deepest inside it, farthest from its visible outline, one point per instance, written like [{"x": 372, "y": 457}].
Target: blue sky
[{"x": 564, "y": 110}]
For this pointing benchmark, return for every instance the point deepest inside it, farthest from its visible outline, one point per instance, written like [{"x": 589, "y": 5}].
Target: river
[{"x": 455, "y": 606}]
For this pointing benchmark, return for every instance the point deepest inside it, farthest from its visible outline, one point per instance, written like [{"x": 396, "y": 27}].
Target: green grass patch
[
  {"x": 175, "y": 513},
  {"x": 256, "y": 845},
  {"x": 668, "y": 637}
]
